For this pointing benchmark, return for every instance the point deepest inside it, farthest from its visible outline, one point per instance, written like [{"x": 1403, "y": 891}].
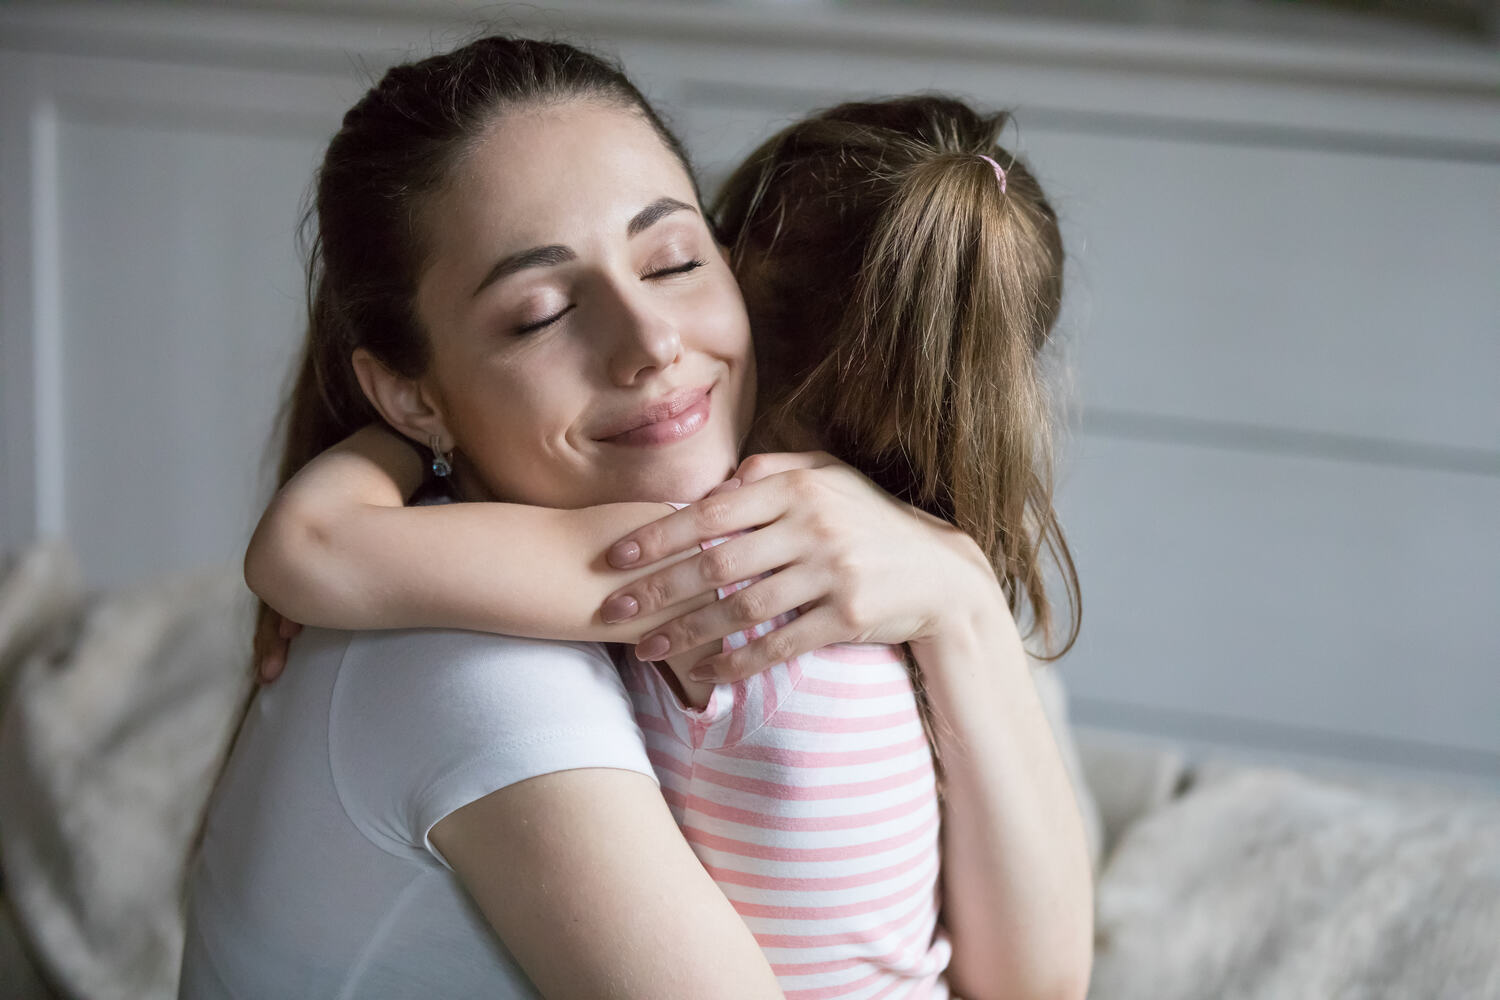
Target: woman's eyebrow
[
  {"x": 555, "y": 253},
  {"x": 547, "y": 256},
  {"x": 654, "y": 213}
]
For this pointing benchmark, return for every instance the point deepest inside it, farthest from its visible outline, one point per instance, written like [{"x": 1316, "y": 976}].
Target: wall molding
[
  {"x": 44, "y": 96},
  {"x": 1105, "y": 422},
  {"x": 1472, "y": 147},
  {"x": 277, "y": 37},
  {"x": 46, "y": 312},
  {"x": 1260, "y": 738}
]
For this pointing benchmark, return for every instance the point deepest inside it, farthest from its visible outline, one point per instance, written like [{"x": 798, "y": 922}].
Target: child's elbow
[{"x": 286, "y": 542}]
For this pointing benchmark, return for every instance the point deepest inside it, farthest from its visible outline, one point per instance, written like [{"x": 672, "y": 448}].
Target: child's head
[{"x": 901, "y": 291}]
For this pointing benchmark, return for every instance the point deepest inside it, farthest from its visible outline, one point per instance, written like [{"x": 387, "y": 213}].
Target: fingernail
[
  {"x": 624, "y": 554},
  {"x": 703, "y": 675},
  {"x": 617, "y": 609},
  {"x": 653, "y": 648},
  {"x": 728, "y": 484}
]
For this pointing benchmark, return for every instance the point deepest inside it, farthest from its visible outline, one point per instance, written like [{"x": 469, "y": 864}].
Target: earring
[
  {"x": 440, "y": 464},
  {"x": 438, "y": 487}
]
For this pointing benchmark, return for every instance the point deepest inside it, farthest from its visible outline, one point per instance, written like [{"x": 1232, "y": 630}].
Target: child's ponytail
[{"x": 926, "y": 373}]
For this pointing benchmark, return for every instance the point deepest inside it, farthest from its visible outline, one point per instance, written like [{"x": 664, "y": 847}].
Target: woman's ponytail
[{"x": 325, "y": 404}]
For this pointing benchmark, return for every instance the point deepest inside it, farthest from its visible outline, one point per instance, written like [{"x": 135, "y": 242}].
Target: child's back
[{"x": 808, "y": 791}]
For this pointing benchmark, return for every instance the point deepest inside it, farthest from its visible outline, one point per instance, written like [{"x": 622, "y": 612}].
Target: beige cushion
[
  {"x": 1260, "y": 882},
  {"x": 41, "y": 590},
  {"x": 1129, "y": 776},
  {"x": 108, "y": 745}
]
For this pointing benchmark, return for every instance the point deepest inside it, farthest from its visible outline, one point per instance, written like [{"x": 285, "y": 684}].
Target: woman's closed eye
[
  {"x": 543, "y": 323},
  {"x": 665, "y": 272},
  {"x": 683, "y": 268}
]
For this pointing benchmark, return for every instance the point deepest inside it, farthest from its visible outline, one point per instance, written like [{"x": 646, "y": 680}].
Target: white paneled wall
[
  {"x": 1336, "y": 291},
  {"x": 1283, "y": 320},
  {"x": 181, "y": 297},
  {"x": 1289, "y": 592}
]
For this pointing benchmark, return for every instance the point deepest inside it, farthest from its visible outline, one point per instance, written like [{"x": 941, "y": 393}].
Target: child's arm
[{"x": 337, "y": 548}]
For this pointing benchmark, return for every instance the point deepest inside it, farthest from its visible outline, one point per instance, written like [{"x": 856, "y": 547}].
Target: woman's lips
[{"x": 681, "y": 416}]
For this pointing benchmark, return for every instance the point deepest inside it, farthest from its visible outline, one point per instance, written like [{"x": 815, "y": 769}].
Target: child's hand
[
  {"x": 859, "y": 565},
  {"x": 273, "y": 637}
]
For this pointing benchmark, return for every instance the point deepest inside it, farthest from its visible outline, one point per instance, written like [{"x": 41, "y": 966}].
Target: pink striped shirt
[{"x": 808, "y": 792}]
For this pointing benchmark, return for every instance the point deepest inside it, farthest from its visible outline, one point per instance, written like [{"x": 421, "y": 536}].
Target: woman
[{"x": 387, "y": 773}]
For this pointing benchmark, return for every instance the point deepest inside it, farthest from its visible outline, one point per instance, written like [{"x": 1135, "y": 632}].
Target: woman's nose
[{"x": 646, "y": 340}]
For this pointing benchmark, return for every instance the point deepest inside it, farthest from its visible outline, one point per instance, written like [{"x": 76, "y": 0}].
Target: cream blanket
[
  {"x": 118, "y": 712},
  {"x": 1272, "y": 885}
]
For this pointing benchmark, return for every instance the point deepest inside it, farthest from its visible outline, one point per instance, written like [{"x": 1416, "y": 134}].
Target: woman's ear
[{"x": 403, "y": 402}]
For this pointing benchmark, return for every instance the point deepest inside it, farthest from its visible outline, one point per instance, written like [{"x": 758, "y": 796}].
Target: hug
[{"x": 659, "y": 563}]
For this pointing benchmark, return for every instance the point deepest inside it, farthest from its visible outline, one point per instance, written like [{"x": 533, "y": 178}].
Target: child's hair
[{"x": 901, "y": 291}]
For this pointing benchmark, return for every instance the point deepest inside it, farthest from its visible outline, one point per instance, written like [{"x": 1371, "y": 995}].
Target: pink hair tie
[{"x": 999, "y": 171}]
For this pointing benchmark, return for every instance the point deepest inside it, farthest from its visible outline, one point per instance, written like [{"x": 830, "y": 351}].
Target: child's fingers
[
  {"x": 273, "y": 634},
  {"x": 741, "y": 558},
  {"x": 270, "y": 667},
  {"x": 817, "y": 628},
  {"x": 709, "y": 518},
  {"x": 266, "y": 645},
  {"x": 757, "y": 603},
  {"x": 265, "y": 631}
]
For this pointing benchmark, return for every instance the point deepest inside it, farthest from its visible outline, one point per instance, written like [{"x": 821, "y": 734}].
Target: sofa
[{"x": 1213, "y": 878}]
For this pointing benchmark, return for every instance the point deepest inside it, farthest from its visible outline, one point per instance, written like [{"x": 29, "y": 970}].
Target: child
[{"x": 902, "y": 273}]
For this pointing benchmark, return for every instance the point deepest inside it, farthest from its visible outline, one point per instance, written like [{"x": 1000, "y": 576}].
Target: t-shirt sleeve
[{"x": 424, "y": 721}]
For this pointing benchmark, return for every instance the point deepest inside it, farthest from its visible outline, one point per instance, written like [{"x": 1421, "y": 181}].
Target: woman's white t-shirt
[{"x": 316, "y": 877}]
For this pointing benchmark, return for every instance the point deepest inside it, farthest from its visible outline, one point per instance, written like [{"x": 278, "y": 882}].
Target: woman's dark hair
[
  {"x": 394, "y": 151},
  {"x": 901, "y": 299}
]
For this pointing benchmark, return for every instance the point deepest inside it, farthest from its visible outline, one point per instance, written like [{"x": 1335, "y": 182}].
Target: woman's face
[{"x": 589, "y": 341}]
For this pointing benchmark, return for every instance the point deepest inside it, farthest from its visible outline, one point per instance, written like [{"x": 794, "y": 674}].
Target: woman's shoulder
[
  {"x": 443, "y": 677},
  {"x": 408, "y": 661},
  {"x": 459, "y": 646},
  {"x": 423, "y": 721}
]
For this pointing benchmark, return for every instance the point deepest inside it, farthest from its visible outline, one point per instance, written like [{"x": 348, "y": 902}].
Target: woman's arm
[
  {"x": 337, "y": 548},
  {"x": 1016, "y": 875},
  {"x": 588, "y": 881},
  {"x": 519, "y": 764}
]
